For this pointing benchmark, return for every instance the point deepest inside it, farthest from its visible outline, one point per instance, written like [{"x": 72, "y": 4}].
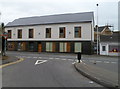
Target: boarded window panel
[
  {"x": 77, "y": 47},
  {"x": 50, "y": 46},
  {"x": 61, "y": 47},
  {"x": 65, "y": 47},
  {"x": 47, "y": 46}
]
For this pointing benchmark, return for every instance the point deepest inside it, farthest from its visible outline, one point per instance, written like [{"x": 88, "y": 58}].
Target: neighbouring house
[
  {"x": 110, "y": 45},
  {"x": 102, "y": 30},
  {"x": 69, "y": 33}
]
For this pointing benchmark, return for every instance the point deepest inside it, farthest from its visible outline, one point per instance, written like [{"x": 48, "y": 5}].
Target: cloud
[{"x": 13, "y": 9}]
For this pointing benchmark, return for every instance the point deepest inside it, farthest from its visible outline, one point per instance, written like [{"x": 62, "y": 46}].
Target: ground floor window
[
  {"x": 21, "y": 46},
  {"x": 77, "y": 47},
  {"x": 11, "y": 46},
  {"x": 31, "y": 46},
  {"x": 114, "y": 48},
  {"x": 103, "y": 48},
  {"x": 62, "y": 47},
  {"x": 49, "y": 46}
]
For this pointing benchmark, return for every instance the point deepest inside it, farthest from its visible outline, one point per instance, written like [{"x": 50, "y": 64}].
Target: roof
[
  {"x": 53, "y": 19},
  {"x": 110, "y": 38},
  {"x": 100, "y": 29}
]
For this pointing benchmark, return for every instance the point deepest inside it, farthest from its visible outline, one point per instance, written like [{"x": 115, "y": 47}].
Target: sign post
[{"x": 4, "y": 42}]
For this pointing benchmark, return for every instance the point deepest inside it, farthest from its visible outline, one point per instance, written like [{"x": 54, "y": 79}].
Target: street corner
[
  {"x": 96, "y": 74},
  {"x": 11, "y": 61}
]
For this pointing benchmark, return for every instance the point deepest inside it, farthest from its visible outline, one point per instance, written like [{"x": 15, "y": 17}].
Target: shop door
[
  {"x": 68, "y": 46},
  {"x": 39, "y": 47}
]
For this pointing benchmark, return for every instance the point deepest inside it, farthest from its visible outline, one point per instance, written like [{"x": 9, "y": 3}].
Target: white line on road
[
  {"x": 57, "y": 58},
  {"x": 73, "y": 63},
  {"x": 70, "y": 59},
  {"x": 28, "y": 57},
  {"x": 63, "y": 59},
  {"x": 51, "y": 58},
  {"x": 34, "y": 57},
  {"x": 106, "y": 62},
  {"x": 40, "y": 62},
  {"x": 99, "y": 61},
  {"x": 40, "y": 57},
  {"x": 114, "y": 62}
]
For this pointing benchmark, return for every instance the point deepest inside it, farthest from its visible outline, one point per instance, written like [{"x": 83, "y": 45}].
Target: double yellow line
[{"x": 4, "y": 65}]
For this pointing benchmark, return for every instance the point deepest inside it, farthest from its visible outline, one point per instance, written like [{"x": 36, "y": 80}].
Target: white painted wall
[
  {"x": 104, "y": 52},
  {"x": 86, "y": 29}
]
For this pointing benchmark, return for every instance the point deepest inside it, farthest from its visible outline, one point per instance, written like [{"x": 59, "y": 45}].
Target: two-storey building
[{"x": 53, "y": 33}]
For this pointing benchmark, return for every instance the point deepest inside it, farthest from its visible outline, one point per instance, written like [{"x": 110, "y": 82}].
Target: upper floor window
[
  {"x": 62, "y": 32},
  {"x": 48, "y": 32},
  {"x": 31, "y": 32},
  {"x": 20, "y": 33},
  {"x": 9, "y": 33},
  {"x": 77, "y": 32}
]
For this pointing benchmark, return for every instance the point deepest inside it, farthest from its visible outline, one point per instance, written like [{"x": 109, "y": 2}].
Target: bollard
[{"x": 79, "y": 57}]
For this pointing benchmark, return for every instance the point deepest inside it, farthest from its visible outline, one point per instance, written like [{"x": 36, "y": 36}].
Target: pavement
[
  {"x": 9, "y": 60},
  {"x": 101, "y": 76}
]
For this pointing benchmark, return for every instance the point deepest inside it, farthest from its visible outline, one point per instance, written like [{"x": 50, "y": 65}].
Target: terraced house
[{"x": 53, "y": 33}]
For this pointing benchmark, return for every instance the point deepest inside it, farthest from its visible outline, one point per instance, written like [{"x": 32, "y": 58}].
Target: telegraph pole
[{"x": 97, "y": 31}]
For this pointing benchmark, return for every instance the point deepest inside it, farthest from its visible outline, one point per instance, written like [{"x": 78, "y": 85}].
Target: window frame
[
  {"x": 62, "y": 35},
  {"x": 19, "y": 30},
  {"x": 10, "y": 34},
  {"x": 78, "y": 32},
  {"x": 104, "y": 48},
  {"x": 31, "y": 32},
  {"x": 48, "y": 31}
]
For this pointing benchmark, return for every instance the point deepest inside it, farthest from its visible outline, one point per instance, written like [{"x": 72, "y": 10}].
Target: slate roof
[
  {"x": 100, "y": 29},
  {"x": 53, "y": 19},
  {"x": 115, "y": 37}
]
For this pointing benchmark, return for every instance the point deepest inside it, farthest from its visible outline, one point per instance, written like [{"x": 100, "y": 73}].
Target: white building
[
  {"x": 109, "y": 45},
  {"x": 53, "y": 33}
]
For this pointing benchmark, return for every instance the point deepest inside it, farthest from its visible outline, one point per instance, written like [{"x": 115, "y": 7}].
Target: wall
[{"x": 87, "y": 30}]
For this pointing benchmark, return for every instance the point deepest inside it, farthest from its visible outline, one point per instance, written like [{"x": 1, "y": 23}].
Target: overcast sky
[{"x": 14, "y": 9}]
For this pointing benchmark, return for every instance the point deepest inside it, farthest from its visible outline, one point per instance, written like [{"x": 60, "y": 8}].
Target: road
[
  {"x": 106, "y": 62},
  {"x": 54, "y": 70}
]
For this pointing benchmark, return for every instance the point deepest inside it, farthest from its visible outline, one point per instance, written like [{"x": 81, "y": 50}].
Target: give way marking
[{"x": 40, "y": 62}]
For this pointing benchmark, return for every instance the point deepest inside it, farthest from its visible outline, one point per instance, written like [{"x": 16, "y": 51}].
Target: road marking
[
  {"x": 99, "y": 61},
  {"x": 92, "y": 61},
  {"x": 4, "y": 65},
  {"x": 63, "y": 59},
  {"x": 51, "y": 58},
  {"x": 114, "y": 62},
  {"x": 106, "y": 62},
  {"x": 73, "y": 63},
  {"x": 70, "y": 59},
  {"x": 40, "y": 57},
  {"x": 40, "y": 62},
  {"x": 34, "y": 57},
  {"x": 28, "y": 57},
  {"x": 57, "y": 58}
]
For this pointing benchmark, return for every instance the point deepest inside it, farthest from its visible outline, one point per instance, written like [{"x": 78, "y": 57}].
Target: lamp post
[{"x": 97, "y": 32}]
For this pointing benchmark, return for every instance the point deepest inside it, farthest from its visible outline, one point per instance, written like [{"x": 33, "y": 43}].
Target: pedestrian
[{"x": 79, "y": 57}]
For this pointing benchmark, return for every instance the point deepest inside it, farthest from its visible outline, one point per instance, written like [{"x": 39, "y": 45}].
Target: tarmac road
[{"x": 51, "y": 70}]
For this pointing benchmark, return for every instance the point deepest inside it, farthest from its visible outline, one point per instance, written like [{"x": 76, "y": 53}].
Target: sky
[{"x": 14, "y": 9}]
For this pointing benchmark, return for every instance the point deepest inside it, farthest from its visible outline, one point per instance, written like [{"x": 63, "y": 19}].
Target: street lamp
[{"x": 97, "y": 30}]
